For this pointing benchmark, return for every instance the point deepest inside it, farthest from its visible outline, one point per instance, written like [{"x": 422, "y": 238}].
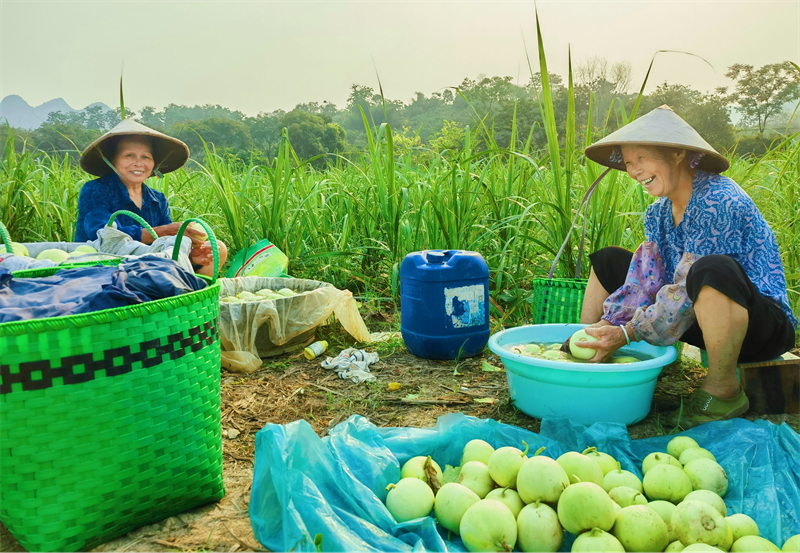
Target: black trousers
[{"x": 769, "y": 332}]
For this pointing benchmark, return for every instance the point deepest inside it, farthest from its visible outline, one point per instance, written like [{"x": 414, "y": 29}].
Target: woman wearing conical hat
[
  {"x": 123, "y": 159},
  {"x": 708, "y": 274}
]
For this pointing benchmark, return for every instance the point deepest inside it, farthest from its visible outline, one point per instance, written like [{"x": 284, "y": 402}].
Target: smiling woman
[
  {"x": 709, "y": 273},
  {"x": 124, "y": 158},
  {"x": 133, "y": 161},
  {"x": 662, "y": 173}
]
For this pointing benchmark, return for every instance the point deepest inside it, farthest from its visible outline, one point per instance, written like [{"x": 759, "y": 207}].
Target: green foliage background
[
  {"x": 491, "y": 166},
  {"x": 352, "y": 222},
  {"x": 600, "y": 101}
]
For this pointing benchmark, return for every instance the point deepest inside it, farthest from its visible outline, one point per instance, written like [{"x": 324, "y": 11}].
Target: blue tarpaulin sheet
[{"x": 305, "y": 485}]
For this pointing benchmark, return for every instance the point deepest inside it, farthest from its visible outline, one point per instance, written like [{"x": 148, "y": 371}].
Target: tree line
[{"x": 494, "y": 109}]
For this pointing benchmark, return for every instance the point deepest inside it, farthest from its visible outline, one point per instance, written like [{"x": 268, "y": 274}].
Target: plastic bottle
[{"x": 315, "y": 349}]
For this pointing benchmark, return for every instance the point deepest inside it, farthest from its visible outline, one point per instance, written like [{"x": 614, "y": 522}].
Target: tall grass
[
  {"x": 773, "y": 181},
  {"x": 352, "y": 223},
  {"x": 346, "y": 226}
]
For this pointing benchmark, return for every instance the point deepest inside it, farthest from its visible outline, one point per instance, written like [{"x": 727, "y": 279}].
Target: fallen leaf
[
  {"x": 490, "y": 368},
  {"x": 486, "y": 400},
  {"x": 411, "y": 396},
  {"x": 385, "y": 336},
  {"x": 430, "y": 472}
]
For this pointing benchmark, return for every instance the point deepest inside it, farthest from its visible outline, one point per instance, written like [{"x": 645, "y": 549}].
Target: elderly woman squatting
[{"x": 709, "y": 273}]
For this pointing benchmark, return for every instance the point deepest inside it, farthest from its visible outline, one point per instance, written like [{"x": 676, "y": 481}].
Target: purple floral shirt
[
  {"x": 719, "y": 219},
  {"x": 659, "y": 311}
]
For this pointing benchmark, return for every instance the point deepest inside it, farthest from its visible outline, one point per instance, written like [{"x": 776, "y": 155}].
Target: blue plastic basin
[{"x": 584, "y": 392}]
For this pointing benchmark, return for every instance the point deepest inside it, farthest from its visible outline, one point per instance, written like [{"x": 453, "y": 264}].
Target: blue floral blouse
[
  {"x": 719, "y": 219},
  {"x": 100, "y": 198}
]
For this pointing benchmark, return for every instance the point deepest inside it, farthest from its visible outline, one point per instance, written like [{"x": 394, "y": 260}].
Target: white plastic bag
[{"x": 115, "y": 242}]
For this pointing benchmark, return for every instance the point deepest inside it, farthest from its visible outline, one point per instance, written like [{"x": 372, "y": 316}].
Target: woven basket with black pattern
[{"x": 109, "y": 420}]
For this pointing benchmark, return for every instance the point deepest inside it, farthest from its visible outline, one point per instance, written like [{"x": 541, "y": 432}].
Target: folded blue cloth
[
  {"x": 160, "y": 278},
  {"x": 88, "y": 289}
]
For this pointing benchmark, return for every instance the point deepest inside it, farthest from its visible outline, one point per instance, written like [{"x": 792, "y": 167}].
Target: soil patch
[{"x": 409, "y": 391}]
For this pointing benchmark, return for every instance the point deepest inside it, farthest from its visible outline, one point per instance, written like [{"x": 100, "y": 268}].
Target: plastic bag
[
  {"x": 262, "y": 259},
  {"x": 111, "y": 240},
  {"x": 335, "y": 486},
  {"x": 286, "y": 317}
]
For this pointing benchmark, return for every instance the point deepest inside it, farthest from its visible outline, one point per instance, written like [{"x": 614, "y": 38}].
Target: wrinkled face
[
  {"x": 656, "y": 172},
  {"x": 134, "y": 160}
]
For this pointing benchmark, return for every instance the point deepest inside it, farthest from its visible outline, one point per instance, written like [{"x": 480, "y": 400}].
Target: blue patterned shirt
[
  {"x": 100, "y": 198},
  {"x": 720, "y": 219}
]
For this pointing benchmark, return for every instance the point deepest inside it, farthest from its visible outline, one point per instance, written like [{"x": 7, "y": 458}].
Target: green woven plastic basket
[
  {"x": 110, "y": 420},
  {"x": 560, "y": 300}
]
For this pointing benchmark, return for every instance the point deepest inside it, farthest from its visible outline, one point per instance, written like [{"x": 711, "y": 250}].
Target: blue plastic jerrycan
[{"x": 444, "y": 307}]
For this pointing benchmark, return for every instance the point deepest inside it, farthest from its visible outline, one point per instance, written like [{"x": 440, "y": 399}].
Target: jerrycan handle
[{"x": 435, "y": 258}]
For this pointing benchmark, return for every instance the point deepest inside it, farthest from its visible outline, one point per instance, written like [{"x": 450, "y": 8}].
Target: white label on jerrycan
[{"x": 465, "y": 305}]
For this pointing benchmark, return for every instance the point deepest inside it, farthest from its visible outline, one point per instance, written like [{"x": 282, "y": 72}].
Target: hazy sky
[{"x": 260, "y": 56}]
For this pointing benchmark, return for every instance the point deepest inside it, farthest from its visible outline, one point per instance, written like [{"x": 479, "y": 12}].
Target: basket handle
[
  {"x": 6, "y": 237},
  {"x": 136, "y": 218},
  {"x": 211, "y": 238},
  {"x": 585, "y": 206}
]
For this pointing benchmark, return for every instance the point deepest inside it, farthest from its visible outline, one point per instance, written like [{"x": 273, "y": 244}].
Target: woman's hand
[
  {"x": 202, "y": 255},
  {"x": 599, "y": 324},
  {"x": 609, "y": 339}
]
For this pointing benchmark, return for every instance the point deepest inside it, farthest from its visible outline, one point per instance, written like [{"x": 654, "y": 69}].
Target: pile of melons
[
  {"x": 260, "y": 295},
  {"x": 502, "y": 499}
]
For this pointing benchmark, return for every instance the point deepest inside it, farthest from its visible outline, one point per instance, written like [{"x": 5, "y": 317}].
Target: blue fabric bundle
[
  {"x": 160, "y": 278},
  {"x": 304, "y": 485},
  {"x": 88, "y": 289}
]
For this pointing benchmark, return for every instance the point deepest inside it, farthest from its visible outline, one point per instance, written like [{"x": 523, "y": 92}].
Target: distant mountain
[{"x": 19, "y": 114}]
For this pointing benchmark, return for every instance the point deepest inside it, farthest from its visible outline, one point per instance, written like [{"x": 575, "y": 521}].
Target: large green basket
[{"x": 109, "y": 420}]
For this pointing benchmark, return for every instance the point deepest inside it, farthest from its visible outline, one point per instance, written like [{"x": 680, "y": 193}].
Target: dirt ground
[{"x": 289, "y": 387}]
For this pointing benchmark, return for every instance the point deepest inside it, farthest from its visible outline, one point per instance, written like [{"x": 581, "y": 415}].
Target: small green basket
[
  {"x": 560, "y": 300},
  {"x": 110, "y": 420}
]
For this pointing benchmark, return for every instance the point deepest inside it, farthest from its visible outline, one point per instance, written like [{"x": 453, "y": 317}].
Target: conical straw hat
[
  {"x": 660, "y": 127},
  {"x": 169, "y": 153}
]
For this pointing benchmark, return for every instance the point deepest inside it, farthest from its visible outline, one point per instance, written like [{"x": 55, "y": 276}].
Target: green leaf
[
  {"x": 121, "y": 97},
  {"x": 490, "y": 368},
  {"x": 489, "y": 400},
  {"x": 411, "y": 396},
  {"x": 451, "y": 474}
]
